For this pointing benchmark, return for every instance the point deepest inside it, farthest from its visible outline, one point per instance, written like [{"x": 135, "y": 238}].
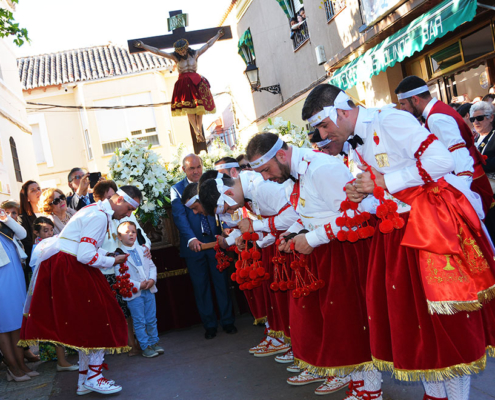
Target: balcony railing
[
  {"x": 333, "y": 7},
  {"x": 300, "y": 35}
]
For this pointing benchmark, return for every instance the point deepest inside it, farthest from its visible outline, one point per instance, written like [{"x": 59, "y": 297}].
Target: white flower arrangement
[
  {"x": 136, "y": 164},
  {"x": 288, "y": 132}
]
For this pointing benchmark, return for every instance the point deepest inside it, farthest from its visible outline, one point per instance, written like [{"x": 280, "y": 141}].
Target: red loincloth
[{"x": 192, "y": 95}]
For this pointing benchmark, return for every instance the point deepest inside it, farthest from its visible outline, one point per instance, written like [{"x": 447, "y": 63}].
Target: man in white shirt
[
  {"x": 409, "y": 333},
  {"x": 329, "y": 329}
]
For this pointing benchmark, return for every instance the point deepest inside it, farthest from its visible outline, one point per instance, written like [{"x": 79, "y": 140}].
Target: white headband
[
  {"x": 413, "y": 92},
  {"x": 223, "y": 198},
  {"x": 268, "y": 156},
  {"x": 128, "y": 198},
  {"x": 226, "y": 166},
  {"x": 323, "y": 143},
  {"x": 192, "y": 200},
  {"x": 341, "y": 102}
]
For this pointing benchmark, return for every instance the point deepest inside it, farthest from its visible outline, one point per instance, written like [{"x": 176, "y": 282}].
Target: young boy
[{"x": 142, "y": 304}]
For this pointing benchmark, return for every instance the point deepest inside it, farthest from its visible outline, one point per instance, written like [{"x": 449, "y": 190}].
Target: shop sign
[
  {"x": 423, "y": 31},
  {"x": 373, "y": 10}
]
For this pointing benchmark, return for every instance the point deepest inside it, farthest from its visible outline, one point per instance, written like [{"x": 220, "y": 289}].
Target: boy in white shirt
[{"x": 142, "y": 303}]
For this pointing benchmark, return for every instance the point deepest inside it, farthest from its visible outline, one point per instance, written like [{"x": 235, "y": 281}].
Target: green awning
[
  {"x": 287, "y": 7},
  {"x": 423, "y": 31},
  {"x": 245, "y": 47}
]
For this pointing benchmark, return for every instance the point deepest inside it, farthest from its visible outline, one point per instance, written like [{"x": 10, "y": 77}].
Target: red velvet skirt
[
  {"x": 73, "y": 305},
  {"x": 192, "y": 95},
  {"x": 277, "y": 302},
  {"x": 329, "y": 328},
  {"x": 404, "y": 337},
  {"x": 256, "y": 302}
]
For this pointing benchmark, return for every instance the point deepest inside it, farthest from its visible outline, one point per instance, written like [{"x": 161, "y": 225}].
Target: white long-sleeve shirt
[{"x": 447, "y": 131}]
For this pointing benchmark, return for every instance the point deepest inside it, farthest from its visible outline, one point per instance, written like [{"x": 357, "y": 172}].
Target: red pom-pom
[
  {"x": 260, "y": 271},
  {"x": 253, "y": 275},
  {"x": 398, "y": 223},
  {"x": 340, "y": 221},
  {"x": 371, "y": 230},
  {"x": 305, "y": 291},
  {"x": 242, "y": 287},
  {"x": 233, "y": 276},
  {"x": 274, "y": 286},
  {"x": 353, "y": 205},
  {"x": 392, "y": 206},
  {"x": 249, "y": 286},
  {"x": 246, "y": 235},
  {"x": 294, "y": 265},
  {"x": 314, "y": 286},
  {"x": 256, "y": 255},
  {"x": 381, "y": 211},
  {"x": 352, "y": 236},
  {"x": 342, "y": 236},
  {"x": 243, "y": 273},
  {"x": 365, "y": 216},
  {"x": 267, "y": 276},
  {"x": 245, "y": 255},
  {"x": 134, "y": 290},
  {"x": 378, "y": 192},
  {"x": 291, "y": 285},
  {"x": 296, "y": 293},
  {"x": 362, "y": 233},
  {"x": 254, "y": 236},
  {"x": 283, "y": 286},
  {"x": 344, "y": 206},
  {"x": 386, "y": 226}
]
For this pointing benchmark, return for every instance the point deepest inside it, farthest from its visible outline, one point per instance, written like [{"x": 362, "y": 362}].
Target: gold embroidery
[
  {"x": 449, "y": 266},
  {"x": 302, "y": 201},
  {"x": 382, "y": 160}
]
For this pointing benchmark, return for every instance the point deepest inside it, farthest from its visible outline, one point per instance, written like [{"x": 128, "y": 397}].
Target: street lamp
[{"x": 253, "y": 76}]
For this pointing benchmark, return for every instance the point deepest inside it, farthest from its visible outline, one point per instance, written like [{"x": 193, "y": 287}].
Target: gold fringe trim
[
  {"x": 200, "y": 110},
  {"x": 110, "y": 350},
  {"x": 280, "y": 335},
  {"x": 168, "y": 274},
  {"x": 334, "y": 371},
  {"x": 261, "y": 320},
  {"x": 452, "y": 307},
  {"x": 491, "y": 351},
  {"x": 439, "y": 374}
]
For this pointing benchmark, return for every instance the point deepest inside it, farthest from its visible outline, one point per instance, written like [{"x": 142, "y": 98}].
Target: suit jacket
[
  {"x": 188, "y": 223},
  {"x": 487, "y": 148},
  {"x": 138, "y": 272},
  {"x": 76, "y": 203}
]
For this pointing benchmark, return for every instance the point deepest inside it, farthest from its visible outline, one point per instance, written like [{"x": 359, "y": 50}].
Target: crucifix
[{"x": 192, "y": 96}]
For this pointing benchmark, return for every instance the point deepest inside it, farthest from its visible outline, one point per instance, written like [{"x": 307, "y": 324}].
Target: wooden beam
[{"x": 167, "y": 41}]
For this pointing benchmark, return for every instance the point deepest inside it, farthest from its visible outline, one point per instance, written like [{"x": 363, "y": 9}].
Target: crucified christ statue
[{"x": 192, "y": 96}]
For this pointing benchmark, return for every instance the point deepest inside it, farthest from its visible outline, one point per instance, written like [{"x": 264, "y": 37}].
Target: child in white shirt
[{"x": 142, "y": 303}]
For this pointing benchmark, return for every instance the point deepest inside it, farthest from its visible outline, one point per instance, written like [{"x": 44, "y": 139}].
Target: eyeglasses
[
  {"x": 244, "y": 166},
  {"x": 479, "y": 118},
  {"x": 58, "y": 200},
  {"x": 76, "y": 177}
]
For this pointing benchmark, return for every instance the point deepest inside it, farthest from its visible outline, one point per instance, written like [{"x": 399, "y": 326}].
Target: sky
[{"x": 58, "y": 25}]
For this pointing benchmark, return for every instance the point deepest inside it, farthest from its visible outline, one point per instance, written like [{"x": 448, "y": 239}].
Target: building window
[
  {"x": 15, "y": 159},
  {"x": 88, "y": 144},
  {"x": 333, "y": 7}
]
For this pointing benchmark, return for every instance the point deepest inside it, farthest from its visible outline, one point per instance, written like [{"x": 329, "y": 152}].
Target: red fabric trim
[
  {"x": 329, "y": 231},
  {"x": 457, "y": 147},
  {"x": 422, "y": 148},
  {"x": 89, "y": 240},
  {"x": 95, "y": 258},
  {"x": 294, "y": 196},
  {"x": 465, "y": 173}
]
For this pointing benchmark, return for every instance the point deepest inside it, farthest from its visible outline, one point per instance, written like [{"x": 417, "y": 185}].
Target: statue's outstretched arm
[
  {"x": 210, "y": 42},
  {"x": 154, "y": 50}
]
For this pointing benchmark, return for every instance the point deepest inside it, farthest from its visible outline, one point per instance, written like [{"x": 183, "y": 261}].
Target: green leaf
[{"x": 270, "y": 121}]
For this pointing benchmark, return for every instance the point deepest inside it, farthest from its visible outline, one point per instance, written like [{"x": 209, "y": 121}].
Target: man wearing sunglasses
[
  {"x": 79, "y": 184},
  {"x": 449, "y": 127}
]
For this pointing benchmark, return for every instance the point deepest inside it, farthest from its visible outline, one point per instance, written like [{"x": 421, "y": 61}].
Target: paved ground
[{"x": 193, "y": 368}]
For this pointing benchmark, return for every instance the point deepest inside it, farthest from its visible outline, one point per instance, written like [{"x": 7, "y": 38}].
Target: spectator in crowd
[
  {"x": 463, "y": 111},
  {"x": 455, "y": 106},
  {"x": 243, "y": 162},
  {"x": 489, "y": 98},
  {"x": 194, "y": 230},
  {"x": 492, "y": 90},
  {"x": 482, "y": 118},
  {"x": 29, "y": 196},
  {"x": 12, "y": 297},
  {"x": 53, "y": 204},
  {"x": 79, "y": 184},
  {"x": 302, "y": 13},
  {"x": 104, "y": 190},
  {"x": 477, "y": 99},
  {"x": 228, "y": 166}
]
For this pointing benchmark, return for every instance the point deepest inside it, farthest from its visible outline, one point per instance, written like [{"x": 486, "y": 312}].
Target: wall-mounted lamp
[{"x": 253, "y": 76}]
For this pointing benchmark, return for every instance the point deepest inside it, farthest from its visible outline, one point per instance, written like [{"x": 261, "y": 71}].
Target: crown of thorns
[{"x": 183, "y": 47}]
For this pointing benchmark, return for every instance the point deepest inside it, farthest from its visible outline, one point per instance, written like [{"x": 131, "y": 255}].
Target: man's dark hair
[
  {"x": 40, "y": 221},
  {"x": 464, "y": 109},
  {"x": 133, "y": 192},
  {"x": 260, "y": 144},
  {"x": 208, "y": 193},
  {"x": 321, "y": 96},
  {"x": 455, "y": 106},
  {"x": 316, "y": 136},
  {"x": 72, "y": 171},
  {"x": 489, "y": 98},
  {"x": 241, "y": 157},
  {"x": 410, "y": 83},
  {"x": 210, "y": 174},
  {"x": 190, "y": 191},
  {"x": 102, "y": 187},
  {"x": 226, "y": 160}
]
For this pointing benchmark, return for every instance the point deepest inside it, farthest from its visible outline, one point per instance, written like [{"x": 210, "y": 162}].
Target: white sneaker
[
  {"x": 333, "y": 384},
  {"x": 81, "y": 390},
  {"x": 304, "y": 378},
  {"x": 294, "y": 368},
  {"x": 263, "y": 343},
  {"x": 271, "y": 348},
  {"x": 286, "y": 358},
  {"x": 101, "y": 385}
]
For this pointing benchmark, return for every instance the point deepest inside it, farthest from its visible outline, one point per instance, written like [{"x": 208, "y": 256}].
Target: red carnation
[{"x": 386, "y": 226}]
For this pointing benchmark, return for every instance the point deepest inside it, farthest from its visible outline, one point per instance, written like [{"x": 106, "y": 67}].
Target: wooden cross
[{"x": 167, "y": 42}]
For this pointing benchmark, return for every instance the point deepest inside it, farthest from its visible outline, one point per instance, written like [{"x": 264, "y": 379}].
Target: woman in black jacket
[{"x": 29, "y": 197}]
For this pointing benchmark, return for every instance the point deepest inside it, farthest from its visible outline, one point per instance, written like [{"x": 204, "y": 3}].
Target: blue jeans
[{"x": 143, "y": 312}]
